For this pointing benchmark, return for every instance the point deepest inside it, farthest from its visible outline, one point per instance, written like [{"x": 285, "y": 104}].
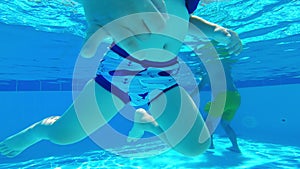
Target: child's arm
[
  {"x": 204, "y": 81},
  {"x": 217, "y": 33},
  {"x": 95, "y": 36}
]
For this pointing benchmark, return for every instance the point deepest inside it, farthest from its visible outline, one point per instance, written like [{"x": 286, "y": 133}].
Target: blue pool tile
[
  {"x": 28, "y": 85},
  {"x": 66, "y": 85},
  {"x": 8, "y": 85},
  {"x": 50, "y": 85}
]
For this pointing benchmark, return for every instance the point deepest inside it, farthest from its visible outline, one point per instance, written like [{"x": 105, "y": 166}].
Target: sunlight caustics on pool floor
[{"x": 254, "y": 155}]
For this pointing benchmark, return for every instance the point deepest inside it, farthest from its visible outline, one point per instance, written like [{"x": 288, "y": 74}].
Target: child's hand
[{"x": 228, "y": 38}]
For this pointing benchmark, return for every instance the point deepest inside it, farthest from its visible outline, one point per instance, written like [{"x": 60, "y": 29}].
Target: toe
[
  {"x": 237, "y": 150},
  {"x": 129, "y": 140},
  {"x": 12, "y": 154},
  {"x": 5, "y": 151}
]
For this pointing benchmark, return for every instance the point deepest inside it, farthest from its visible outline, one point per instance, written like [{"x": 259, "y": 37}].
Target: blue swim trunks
[{"x": 132, "y": 80}]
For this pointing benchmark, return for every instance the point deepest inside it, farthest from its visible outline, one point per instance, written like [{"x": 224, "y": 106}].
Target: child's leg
[
  {"x": 145, "y": 122},
  {"x": 82, "y": 118},
  {"x": 231, "y": 135},
  {"x": 210, "y": 126},
  {"x": 181, "y": 123},
  {"x": 212, "y": 146}
]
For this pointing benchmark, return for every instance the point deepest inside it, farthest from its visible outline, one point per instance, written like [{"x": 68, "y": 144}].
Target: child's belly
[
  {"x": 160, "y": 47},
  {"x": 166, "y": 44}
]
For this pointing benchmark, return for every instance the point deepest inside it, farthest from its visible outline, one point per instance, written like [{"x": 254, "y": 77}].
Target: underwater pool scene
[{"x": 40, "y": 44}]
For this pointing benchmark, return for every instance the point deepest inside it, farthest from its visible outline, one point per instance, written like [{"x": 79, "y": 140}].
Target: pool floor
[{"x": 255, "y": 155}]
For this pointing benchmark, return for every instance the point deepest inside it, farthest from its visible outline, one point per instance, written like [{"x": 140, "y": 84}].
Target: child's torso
[
  {"x": 166, "y": 45},
  {"x": 159, "y": 47}
]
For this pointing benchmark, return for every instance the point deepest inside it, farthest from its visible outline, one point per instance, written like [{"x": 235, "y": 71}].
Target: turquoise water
[
  {"x": 255, "y": 155},
  {"x": 40, "y": 42},
  {"x": 269, "y": 30}
]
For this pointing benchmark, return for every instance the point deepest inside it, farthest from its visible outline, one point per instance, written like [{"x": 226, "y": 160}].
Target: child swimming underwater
[
  {"x": 67, "y": 129},
  {"x": 232, "y": 103}
]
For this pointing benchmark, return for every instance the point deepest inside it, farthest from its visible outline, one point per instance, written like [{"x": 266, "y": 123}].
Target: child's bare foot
[
  {"x": 17, "y": 143},
  {"x": 142, "y": 122},
  {"x": 234, "y": 149}
]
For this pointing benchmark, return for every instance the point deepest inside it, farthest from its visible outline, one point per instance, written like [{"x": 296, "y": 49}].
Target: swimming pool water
[
  {"x": 40, "y": 42},
  {"x": 269, "y": 30},
  {"x": 255, "y": 155}
]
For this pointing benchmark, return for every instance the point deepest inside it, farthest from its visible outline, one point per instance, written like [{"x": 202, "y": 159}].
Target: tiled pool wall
[
  {"x": 68, "y": 84},
  {"x": 269, "y": 114}
]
